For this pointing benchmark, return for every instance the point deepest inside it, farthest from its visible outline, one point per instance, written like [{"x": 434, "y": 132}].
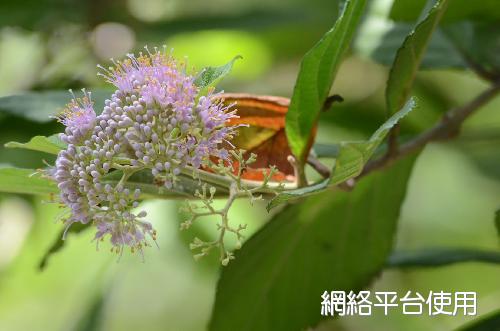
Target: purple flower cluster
[{"x": 154, "y": 120}]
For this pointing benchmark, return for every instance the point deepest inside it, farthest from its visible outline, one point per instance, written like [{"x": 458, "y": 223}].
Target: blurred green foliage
[{"x": 49, "y": 45}]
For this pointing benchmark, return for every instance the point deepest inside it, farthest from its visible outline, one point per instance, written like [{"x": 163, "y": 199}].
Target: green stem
[{"x": 226, "y": 181}]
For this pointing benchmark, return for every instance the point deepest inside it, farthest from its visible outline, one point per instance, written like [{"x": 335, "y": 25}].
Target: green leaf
[
  {"x": 380, "y": 39},
  {"x": 408, "y": 59},
  {"x": 40, "y": 106},
  {"x": 490, "y": 322},
  {"x": 479, "y": 44},
  {"x": 28, "y": 181},
  {"x": 438, "y": 257},
  {"x": 25, "y": 181},
  {"x": 51, "y": 145},
  {"x": 484, "y": 10},
  {"x": 60, "y": 241},
  {"x": 211, "y": 76},
  {"x": 407, "y": 10},
  {"x": 299, "y": 193},
  {"x": 326, "y": 150},
  {"x": 317, "y": 72},
  {"x": 350, "y": 161},
  {"x": 332, "y": 241},
  {"x": 145, "y": 181}
]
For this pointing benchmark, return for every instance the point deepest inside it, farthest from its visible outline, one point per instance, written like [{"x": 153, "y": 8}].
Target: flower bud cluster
[{"x": 154, "y": 120}]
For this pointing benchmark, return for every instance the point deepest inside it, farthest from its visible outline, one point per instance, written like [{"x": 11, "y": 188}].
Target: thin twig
[
  {"x": 322, "y": 169},
  {"x": 447, "y": 128},
  {"x": 477, "y": 67},
  {"x": 393, "y": 142}
]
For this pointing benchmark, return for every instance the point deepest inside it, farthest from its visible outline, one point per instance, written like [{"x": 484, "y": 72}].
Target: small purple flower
[{"x": 79, "y": 118}]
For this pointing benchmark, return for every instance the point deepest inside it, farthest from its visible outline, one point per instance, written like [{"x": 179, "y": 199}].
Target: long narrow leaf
[
  {"x": 408, "y": 58},
  {"x": 317, "y": 73},
  {"x": 51, "y": 145},
  {"x": 350, "y": 160}
]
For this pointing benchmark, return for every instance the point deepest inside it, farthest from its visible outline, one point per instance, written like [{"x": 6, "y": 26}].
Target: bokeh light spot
[
  {"x": 22, "y": 56},
  {"x": 153, "y": 10},
  {"x": 16, "y": 218},
  {"x": 112, "y": 40},
  {"x": 216, "y": 47}
]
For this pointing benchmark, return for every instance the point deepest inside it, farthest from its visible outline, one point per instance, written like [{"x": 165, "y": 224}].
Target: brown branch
[
  {"x": 448, "y": 127},
  {"x": 392, "y": 141},
  {"x": 322, "y": 169},
  {"x": 477, "y": 67}
]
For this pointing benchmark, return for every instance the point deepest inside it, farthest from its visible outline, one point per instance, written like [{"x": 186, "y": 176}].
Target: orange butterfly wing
[{"x": 265, "y": 135}]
